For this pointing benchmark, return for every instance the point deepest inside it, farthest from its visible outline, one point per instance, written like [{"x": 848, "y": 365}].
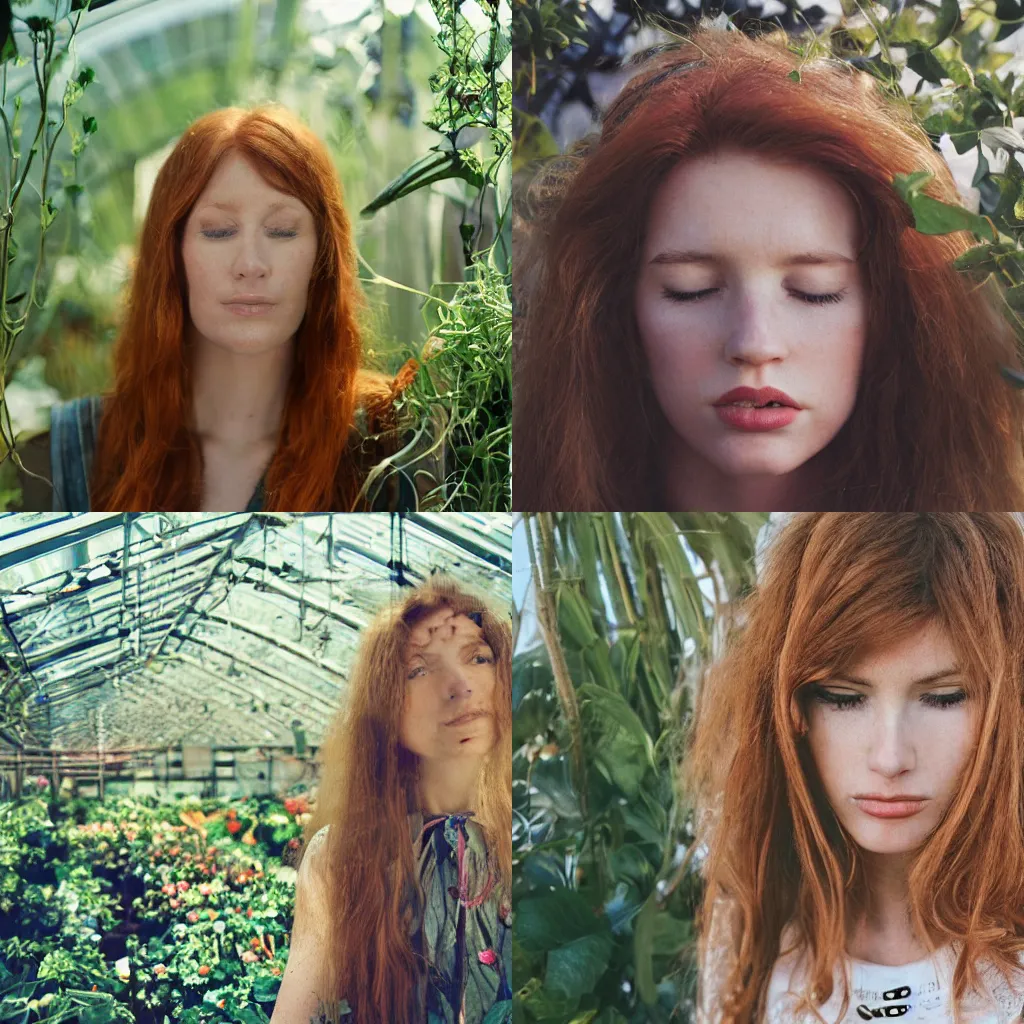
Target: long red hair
[
  {"x": 935, "y": 425},
  {"x": 834, "y": 586},
  {"x": 367, "y": 789},
  {"x": 147, "y": 457}
]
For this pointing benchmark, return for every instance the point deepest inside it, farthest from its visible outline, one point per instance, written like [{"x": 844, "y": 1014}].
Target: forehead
[
  {"x": 236, "y": 184},
  {"x": 442, "y": 629},
  {"x": 924, "y": 649},
  {"x": 807, "y": 211}
]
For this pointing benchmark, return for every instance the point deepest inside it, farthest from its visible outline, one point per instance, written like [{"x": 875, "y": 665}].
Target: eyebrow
[
  {"x": 418, "y": 651},
  {"x": 233, "y": 207},
  {"x": 820, "y": 257},
  {"x": 933, "y": 678}
]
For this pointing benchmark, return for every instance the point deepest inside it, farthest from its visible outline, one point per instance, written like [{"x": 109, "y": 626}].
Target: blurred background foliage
[
  {"x": 374, "y": 79},
  {"x": 958, "y": 66},
  {"x": 622, "y": 613}
]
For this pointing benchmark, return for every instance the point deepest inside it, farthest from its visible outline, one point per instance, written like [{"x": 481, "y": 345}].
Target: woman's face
[
  {"x": 245, "y": 240},
  {"x": 451, "y": 677},
  {"x": 898, "y": 724},
  {"x": 749, "y": 281}
]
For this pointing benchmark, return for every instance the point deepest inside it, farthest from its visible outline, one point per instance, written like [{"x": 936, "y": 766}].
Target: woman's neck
[
  {"x": 449, "y": 787},
  {"x": 238, "y": 400},
  {"x": 883, "y": 932},
  {"x": 690, "y": 482}
]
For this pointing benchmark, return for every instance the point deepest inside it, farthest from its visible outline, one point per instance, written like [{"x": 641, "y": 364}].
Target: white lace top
[{"x": 917, "y": 993}]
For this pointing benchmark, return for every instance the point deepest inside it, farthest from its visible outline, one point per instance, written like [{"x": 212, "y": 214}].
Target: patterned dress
[
  {"x": 461, "y": 928},
  {"x": 464, "y": 934}
]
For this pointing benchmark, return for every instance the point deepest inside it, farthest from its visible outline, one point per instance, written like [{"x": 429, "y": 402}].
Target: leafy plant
[
  {"x": 629, "y": 606},
  {"x": 23, "y": 279},
  {"x": 201, "y": 911},
  {"x": 464, "y": 396}
]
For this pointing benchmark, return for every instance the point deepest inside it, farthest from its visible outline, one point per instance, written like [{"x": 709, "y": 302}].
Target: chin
[
  {"x": 757, "y": 456},
  {"x": 248, "y": 345},
  {"x": 893, "y": 838}
]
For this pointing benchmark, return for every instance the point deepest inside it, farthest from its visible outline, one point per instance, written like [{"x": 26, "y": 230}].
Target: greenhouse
[{"x": 166, "y": 683}]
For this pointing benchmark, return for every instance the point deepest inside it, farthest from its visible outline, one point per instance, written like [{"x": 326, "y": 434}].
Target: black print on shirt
[{"x": 879, "y": 1012}]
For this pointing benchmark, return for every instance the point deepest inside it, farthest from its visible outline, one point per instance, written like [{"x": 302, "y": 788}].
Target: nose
[
  {"x": 456, "y": 683},
  {"x": 756, "y": 337},
  {"x": 891, "y": 746},
  {"x": 249, "y": 260}
]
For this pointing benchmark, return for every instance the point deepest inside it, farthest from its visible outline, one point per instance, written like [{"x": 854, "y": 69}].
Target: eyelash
[
  {"x": 815, "y": 300},
  {"x": 478, "y": 659},
  {"x": 224, "y": 232},
  {"x": 846, "y": 701}
]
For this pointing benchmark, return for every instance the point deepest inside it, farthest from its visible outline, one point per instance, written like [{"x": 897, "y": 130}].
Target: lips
[
  {"x": 758, "y": 398},
  {"x": 249, "y": 308},
  {"x": 890, "y": 807},
  {"x": 756, "y": 409},
  {"x": 466, "y": 717}
]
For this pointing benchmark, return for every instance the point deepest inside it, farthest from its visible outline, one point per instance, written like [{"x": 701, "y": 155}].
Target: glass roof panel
[{"x": 139, "y": 630}]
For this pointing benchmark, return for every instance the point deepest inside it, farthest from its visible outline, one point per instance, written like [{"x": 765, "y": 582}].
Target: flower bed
[{"x": 144, "y": 912}]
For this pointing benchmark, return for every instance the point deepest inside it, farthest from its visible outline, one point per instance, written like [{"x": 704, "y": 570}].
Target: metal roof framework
[{"x": 141, "y": 630}]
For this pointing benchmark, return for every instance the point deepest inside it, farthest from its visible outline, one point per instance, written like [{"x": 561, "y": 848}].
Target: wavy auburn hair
[
  {"x": 147, "y": 456},
  {"x": 367, "y": 789},
  {"x": 836, "y": 586},
  {"x": 935, "y": 425}
]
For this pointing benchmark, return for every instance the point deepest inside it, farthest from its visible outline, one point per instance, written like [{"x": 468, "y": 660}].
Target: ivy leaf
[
  {"x": 1001, "y": 137},
  {"x": 946, "y": 22},
  {"x": 934, "y": 217}
]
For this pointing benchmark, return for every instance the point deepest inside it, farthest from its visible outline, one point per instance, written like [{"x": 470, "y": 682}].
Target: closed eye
[
  {"x": 844, "y": 700},
  {"x": 225, "y": 232},
  {"x": 813, "y": 299},
  {"x": 414, "y": 672}
]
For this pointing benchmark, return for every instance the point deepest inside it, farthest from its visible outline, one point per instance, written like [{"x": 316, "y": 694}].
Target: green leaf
[
  {"x": 575, "y": 968},
  {"x": 556, "y": 919},
  {"x": 643, "y": 951},
  {"x": 434, "y": 167},
  {"x": 1001, "y": 137},
  {"x": 933, "y": 217},
  {"x": 977, "y": 258},
  {"x": 946, "y": 21},
  {"x": 265, "y": 990},
  {"x": 1015, "y": 297},
  {"x": 575, "y": 622},
  {"x": 925, "y": 63},
  {"x": 533, "y": 141},
  {"x": 499, "y": 1013},
  {"x": 48, "y": 212}
]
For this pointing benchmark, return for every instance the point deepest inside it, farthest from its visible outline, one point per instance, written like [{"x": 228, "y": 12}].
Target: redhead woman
[
  {"x": 403, "y": 900},
  {"x": 724, "y": 305},
  {"x": 858, "y": 764},
  {"x": 238, "y": 382}
]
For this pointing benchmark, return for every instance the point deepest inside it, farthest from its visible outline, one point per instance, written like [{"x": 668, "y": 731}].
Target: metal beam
[{"x": 50, "y": 537}]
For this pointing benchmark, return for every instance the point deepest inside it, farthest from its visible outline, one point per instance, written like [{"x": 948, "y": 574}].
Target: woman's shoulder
[{"x": 59, "y": 450}]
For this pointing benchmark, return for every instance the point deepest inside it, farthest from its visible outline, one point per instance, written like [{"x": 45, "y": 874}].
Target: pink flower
[
  {"x": 193, "y": 916},
  {"x": 487, "y": 956}
]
